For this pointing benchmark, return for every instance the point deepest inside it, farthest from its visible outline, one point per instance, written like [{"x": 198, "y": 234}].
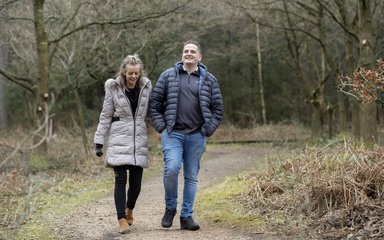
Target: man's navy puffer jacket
[{"x": 164, "y": 100}]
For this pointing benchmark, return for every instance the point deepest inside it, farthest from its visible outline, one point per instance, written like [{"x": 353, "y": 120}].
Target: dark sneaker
[
  {"x": 168, "y": 218},
  {"x": 187, "y": 223}
]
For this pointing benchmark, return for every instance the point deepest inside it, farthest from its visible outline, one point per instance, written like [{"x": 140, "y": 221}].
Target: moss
[
  {"x": 220, "y": 204},
  {"x": 38, "y": 162},
  {"x": 34, "y": 231},
  {"x": 62, "y": 199}
]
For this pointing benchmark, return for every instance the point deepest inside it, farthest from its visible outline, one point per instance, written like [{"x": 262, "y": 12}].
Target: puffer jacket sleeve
[
  {"x": 217, "y": 109},
  {"x": 105, "y": 115},
  {"x": 156, "y": 103}
]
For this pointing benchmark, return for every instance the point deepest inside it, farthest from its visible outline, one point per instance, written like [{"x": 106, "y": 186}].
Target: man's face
[{"x": 191, "y": 54}]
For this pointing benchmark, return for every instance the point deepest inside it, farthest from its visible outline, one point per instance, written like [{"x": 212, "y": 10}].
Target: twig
[{"x": 375, "y": 206}]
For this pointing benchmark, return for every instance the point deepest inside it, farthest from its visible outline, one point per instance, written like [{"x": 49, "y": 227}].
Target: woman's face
[{"x": 132, "y": 74}]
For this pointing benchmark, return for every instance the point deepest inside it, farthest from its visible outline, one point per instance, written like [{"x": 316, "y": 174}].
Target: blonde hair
[{"x": 132, "y": 60}]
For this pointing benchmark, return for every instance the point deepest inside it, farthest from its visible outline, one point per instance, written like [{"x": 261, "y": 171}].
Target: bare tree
[
  {"x": 367, "y": 59},
  {"x": 3, "y": 104},
  {"x": 348, "y": 21},
  {"x": 55, "y": 25},
  {"x": 262, "y": 96}
]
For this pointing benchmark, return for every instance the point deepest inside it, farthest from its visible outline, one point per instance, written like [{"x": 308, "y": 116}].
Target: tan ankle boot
[
  {"x": 129, "y": 216},
  {"x": 123, "y": 226}
]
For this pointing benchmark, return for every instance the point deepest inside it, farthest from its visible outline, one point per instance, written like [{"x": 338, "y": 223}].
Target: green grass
[
  {"x": 69, "y": 194},
  {"x": 220, "y": 204},
  {"x": 60, "y": 200}
]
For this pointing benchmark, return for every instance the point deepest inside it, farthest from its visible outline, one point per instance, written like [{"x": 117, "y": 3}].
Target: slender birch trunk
[{"x": 262, "y": 97}]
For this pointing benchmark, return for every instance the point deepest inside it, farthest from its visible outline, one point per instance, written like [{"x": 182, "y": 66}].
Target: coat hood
[{"x": 119, "y": 81}]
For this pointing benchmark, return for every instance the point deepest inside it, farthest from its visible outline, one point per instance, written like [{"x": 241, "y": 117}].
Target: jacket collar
[{"x": 201, "y": 68}]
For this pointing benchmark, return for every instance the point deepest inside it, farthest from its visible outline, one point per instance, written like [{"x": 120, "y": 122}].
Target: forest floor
[
  {"x": 263, "y": 183},
  {"x": 98, "y": 220}
]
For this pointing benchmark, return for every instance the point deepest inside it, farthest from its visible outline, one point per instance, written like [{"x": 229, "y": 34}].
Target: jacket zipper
[{"x": 134, "y": 119}]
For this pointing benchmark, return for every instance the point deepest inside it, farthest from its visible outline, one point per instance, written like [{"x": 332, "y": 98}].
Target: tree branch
[
  {"x": 115, "y": 22},
  {"x": 23, "y": 82},
  {"x": 54, "y": 49},
  {"x": 333, "y": 16},
  {"x": 4, "y": 4}
]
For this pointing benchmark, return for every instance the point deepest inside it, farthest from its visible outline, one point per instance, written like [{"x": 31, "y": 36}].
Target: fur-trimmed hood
[{"x": 119, "y": 81}]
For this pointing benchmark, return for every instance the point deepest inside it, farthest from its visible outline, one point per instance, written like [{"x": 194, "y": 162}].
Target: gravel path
[{"x": 98, "y": 221}]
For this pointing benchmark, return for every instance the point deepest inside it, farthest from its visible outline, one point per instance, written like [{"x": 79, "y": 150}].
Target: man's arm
[
  {"x": 217, "y": 109},
  {"x": 156, "y": 104}
]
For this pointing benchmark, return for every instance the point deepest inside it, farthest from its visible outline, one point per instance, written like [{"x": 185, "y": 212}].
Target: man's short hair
[{"x": 194, "y": 43}]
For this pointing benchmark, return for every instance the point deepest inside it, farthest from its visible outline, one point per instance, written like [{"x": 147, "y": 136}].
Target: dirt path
[{"x": 99, "y": 220}]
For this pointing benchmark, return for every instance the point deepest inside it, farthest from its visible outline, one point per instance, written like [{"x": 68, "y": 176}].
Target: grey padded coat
[{"x": 127, "y": 138}]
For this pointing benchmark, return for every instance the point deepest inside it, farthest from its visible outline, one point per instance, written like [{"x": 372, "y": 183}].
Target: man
[{"x": 186, "y": 106}]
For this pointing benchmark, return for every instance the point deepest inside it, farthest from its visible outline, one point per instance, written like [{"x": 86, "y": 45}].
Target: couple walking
[{"x": 186, "y": 106}]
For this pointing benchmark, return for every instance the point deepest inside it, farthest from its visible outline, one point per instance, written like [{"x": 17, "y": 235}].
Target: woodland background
[{"x": 278, "y": 63}]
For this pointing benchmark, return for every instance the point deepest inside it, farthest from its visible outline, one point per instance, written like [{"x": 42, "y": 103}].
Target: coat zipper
[{"x": 134, "y": 120}]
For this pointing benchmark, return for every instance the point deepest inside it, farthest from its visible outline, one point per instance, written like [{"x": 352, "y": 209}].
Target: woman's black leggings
[{"x": 126, "y": 199}]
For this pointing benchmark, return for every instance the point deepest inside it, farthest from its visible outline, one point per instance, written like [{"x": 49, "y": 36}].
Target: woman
[{"x": 122, "y": 119}]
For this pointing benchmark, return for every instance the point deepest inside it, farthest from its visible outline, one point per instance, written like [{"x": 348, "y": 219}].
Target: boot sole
[
  {"x": 190, "y": 229},
  {"x": 124, "y": 231},
  {"x": 166, "y": 226}
]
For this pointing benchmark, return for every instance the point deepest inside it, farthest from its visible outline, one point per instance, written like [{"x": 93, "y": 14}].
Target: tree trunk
[
  {"x": 316, "y": 131},
  {"x": 341, "y": 99},
  {"x": 81, "y": 120},
  {"x": 262, "y": 97},
  {"x": 294, "y": 48},
  {"x": 3, "y": 63},
  {"x": 349, "y": 21},
  {"x": 3, "y": 104},
  {"x": 342, "y": 114},
  {"x": 356, "y": 119},
  {"x": 42, "y": 91},
  {"x": 355, "y": 110},
  {"x": 318, "y": 106},
  {"x": 368, "y": 127}
]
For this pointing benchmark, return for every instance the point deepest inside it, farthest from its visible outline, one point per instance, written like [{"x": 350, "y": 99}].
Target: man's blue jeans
[{"x": 181, "y": 149}]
